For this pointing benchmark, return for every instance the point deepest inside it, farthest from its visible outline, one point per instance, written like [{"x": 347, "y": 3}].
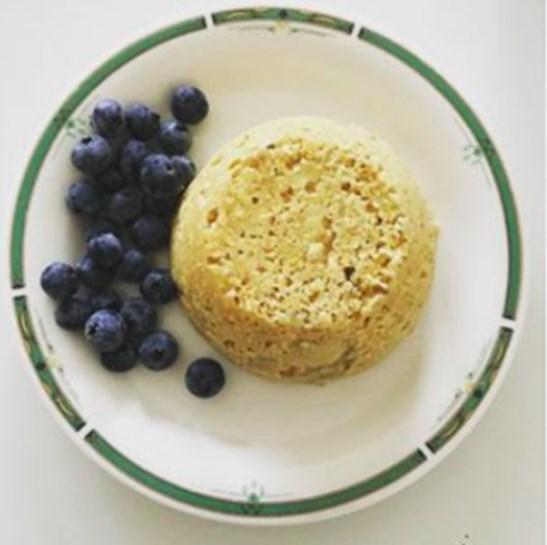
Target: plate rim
[{"x": 252, "y": 509}]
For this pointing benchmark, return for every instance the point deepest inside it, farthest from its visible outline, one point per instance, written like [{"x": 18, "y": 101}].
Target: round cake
[{"x": 304, "y": 250}]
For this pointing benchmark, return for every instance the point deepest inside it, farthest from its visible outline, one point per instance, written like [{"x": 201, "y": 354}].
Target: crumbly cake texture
[{"x": 304, "y": 250}]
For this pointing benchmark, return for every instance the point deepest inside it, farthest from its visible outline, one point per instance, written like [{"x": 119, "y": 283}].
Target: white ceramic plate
[{"x": 264, "y": 453}]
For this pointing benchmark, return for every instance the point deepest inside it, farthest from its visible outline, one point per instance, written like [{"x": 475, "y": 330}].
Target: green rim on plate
[
  {"x": 252, "y": 503},
  {"x": 283, "y": 14},
  {"x": 38, "y": 361}
]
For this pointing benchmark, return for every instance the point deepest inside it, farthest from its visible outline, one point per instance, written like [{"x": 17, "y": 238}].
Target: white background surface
[{"x": 489, "y": 492}]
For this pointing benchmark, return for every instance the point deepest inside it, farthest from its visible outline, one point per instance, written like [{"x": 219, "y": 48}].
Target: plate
[{"x": 262, "y": 453}]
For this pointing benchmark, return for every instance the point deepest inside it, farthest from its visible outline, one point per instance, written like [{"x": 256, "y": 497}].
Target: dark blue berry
[
  {"x": 134, "y": 266},
  {"x": 143, "y": 122},
  {"x": 92, "y": 154},
  {"x": 131, "y": 159},
  {"x": 158, "y": 287},
  {"x": 150, "y": 233},
  {"x": 73, "y": 313},
  {"x": 106, "y": 299},
  {"x": 106, "y": 330},
  {"x": 189, "y": 104},
  {"x": 185, "y": 167},
  {"x": 107, "y": 117},
  {"x": 140, "y": 317},
  {"x": 111, "y": 180},
  {"x": 106, "y": 249},
  {"x": 125, "y": 205},
  {"x": 101, "y": 226},
  {"x": 92, "y": 274},
  {"x": 174, "y": 138},
  {"x": 83, "y": 198},
  {"x": 205, "y": 377},
  {"x": 161, "y": 206},
  {"x": 159, "y": 176},
  {"x": 158, "y": 351},
  {"x": 59, "y": 280},
  {"x": 120, "y": 360}
]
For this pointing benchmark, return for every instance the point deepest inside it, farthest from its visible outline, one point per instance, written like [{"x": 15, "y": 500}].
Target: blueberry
[
  {"x": 120, "y": 360},
  {"x": 125, "y": 205},
  {"x": 134, "y": 266},
  {"x": 189, "y": 104},
  {"x": 158, "y": 351},
  {"x": 158, "y": 287},
  {"x": 107, "y": 117},
  {"x": 106, "y": 249},
  {"x": 161, "y": 206},
  {"x": 83, "y": 198},
  {"x": 73, "y": 313},
  {"x": 205, "y": 377},
  {"x": 143, "y": 122},
  {"x": 150, "y": 233},
  {"x": 111, "y": 180},
  {"x": 174, "y": 138},
  {"x": 101, "y": 226},
  {"x": 106, "y": 330},
  {"x": 185, "y": 167},
  {"x": 59, "y": 280},
  {"x": 140, "y": 317},
  {"x": 131, "y": 159},
  {"x": 106, "y": 299},
  {"x": 92, "y": 154},
  {"x": 159, "y": 176},
  {"x": 92, "y": 274}
]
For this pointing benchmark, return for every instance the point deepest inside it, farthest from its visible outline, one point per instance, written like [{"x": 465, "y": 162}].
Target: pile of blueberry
[{"x": 134, "y": 171}]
